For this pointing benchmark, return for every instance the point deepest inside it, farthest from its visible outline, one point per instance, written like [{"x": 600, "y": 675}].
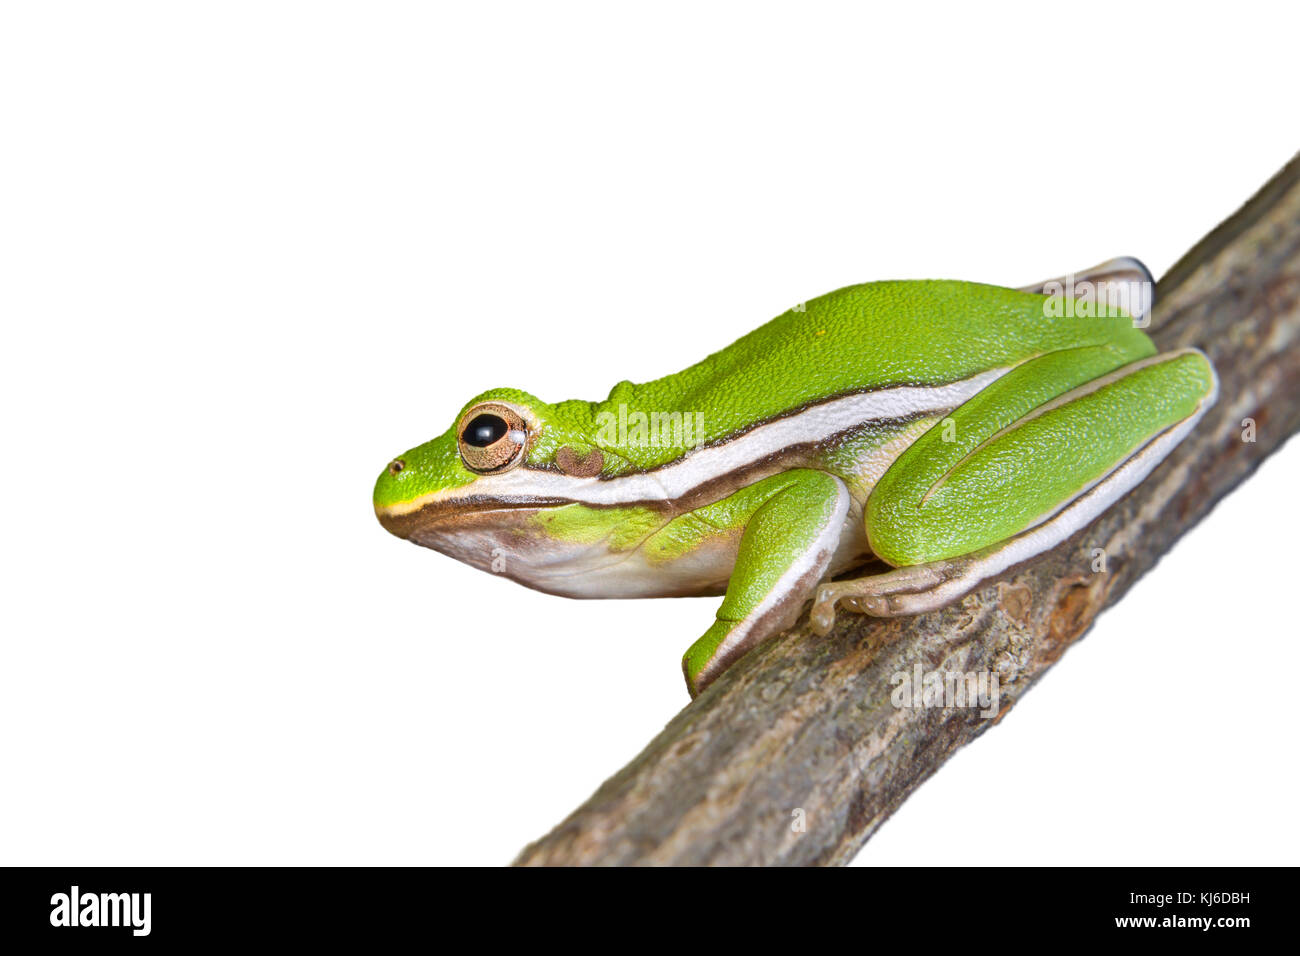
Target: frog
[{"x": 936, "y": 433}]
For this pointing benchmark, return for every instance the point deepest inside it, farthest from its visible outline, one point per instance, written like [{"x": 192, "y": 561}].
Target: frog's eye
[{"x": 492, "y": 437}]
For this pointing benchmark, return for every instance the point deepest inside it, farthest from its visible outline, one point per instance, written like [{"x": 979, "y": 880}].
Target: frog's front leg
[
  {"x": 784, "y": 552},
  {"x": 1032, "y": 459}
]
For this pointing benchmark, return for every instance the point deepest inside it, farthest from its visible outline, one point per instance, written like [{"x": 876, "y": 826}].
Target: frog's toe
[
  {"x": 822, "y": 616},
  {"x": 858, "y": 596},
  {"x": 902, "y": 591}
]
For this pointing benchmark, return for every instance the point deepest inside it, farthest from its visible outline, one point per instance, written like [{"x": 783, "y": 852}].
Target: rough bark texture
[{"x": 807, "y": 721}]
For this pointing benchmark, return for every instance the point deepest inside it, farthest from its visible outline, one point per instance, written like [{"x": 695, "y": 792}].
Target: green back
[
  {"x": 862, "y": 337},
  {"x": 859, "y": 338}
]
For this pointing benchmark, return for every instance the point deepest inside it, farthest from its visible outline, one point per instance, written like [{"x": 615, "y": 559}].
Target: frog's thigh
[
  {"x": 784, "y": 552},
  {"x": 950, "y": 514}
]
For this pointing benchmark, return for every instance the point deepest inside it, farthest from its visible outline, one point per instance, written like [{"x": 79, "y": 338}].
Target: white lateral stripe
[{"x": 674, "y": 480}]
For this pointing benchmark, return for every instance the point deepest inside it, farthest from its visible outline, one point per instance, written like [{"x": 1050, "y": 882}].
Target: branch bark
[{"x": 805, "y": 721}]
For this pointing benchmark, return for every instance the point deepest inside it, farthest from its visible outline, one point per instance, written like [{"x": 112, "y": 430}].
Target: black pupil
[{"x": 484, "y": 430}]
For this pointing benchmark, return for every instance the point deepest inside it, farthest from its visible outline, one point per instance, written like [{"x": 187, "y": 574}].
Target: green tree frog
[{"x": 946, "y": 430}]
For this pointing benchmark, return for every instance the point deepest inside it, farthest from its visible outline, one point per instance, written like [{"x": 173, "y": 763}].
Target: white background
[{"x": 252, "y": 251}]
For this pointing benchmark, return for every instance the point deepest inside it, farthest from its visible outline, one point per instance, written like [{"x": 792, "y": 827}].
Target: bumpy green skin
[
  {"x": 861, "y": 337},
  {"x": 939, "y": 499},
  {"x": 1043, "y": 462}
]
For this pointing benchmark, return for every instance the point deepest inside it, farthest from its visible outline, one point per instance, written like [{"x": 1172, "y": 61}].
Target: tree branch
[{"x": 806, "y": 721}]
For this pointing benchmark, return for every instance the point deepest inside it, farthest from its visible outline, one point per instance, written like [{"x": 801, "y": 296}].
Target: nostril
[{"x": 395, "y": 466}]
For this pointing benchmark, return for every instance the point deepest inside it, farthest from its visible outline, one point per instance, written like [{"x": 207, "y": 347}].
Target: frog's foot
[{"x": 910, "y": 590}]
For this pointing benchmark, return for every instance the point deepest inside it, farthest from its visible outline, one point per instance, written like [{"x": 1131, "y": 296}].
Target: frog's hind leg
[
  {"x": 1012, "y": 483},
  {"x": 1124, "y": 282}
]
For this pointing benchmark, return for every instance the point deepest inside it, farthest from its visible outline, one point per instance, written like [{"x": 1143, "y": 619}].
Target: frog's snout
[{"x": 383, "y": 496}]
